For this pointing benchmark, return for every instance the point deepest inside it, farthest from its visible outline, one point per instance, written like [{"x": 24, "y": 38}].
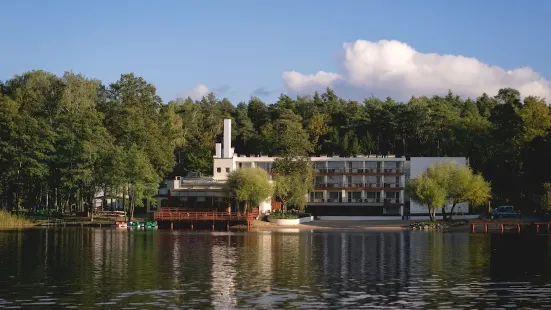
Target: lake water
[{"x": 111, "y": 269}]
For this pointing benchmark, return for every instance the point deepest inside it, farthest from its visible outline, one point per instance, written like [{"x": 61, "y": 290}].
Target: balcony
[
  {"x": 392, "y": 170},
  {"x": 346, "y": 200},
  {"x": 329, "y": 185},
  {"x": 393, "y": 200},
  {"x": 358, "y": 170},
  {"x": 393, "y": 185},
  {"x": 359, "y": 185}
]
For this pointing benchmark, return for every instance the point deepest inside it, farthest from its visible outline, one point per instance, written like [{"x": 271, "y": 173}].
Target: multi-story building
[
  {"x": 358, "y": 186},
  {"x": 367, "y": 186}
]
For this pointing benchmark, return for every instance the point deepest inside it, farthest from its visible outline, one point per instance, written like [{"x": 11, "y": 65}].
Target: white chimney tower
[
  {"x": 218, "y": 153},
  {"x": 227, "y": 139}
]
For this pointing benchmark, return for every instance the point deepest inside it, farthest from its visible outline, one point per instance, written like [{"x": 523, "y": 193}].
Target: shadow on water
[{"x": 113, "y": 269}]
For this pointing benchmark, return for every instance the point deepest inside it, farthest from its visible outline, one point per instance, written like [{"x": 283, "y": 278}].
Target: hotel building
[{"x": 352, "y": 187}]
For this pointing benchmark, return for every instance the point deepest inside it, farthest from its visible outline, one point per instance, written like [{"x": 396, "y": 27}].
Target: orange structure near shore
[{"x": 172, "y": 215}]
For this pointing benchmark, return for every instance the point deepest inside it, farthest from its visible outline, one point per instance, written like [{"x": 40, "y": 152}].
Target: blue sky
[{"x": 247, "y": 44}]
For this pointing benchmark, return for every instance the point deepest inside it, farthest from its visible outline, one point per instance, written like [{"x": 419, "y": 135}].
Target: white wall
[
  {"x": 265, "y": 206},
  {"x": 172, "y": 184},
  {"x": 226, "y": 146},
  {"x": 222, "y": 163},
  {"x": 419, "y": 165}
]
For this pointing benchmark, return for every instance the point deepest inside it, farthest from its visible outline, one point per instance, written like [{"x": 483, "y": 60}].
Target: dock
[
  {"x": 179, "y": 215},
  {"x": 515, "y": 225}
]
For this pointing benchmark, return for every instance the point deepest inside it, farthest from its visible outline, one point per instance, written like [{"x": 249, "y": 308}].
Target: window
[
  {"x": 218, "y": 169},
  {"x": 227, "y": 170}
]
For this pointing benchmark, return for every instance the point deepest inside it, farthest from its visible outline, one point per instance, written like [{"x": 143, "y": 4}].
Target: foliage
[
  {"x": 427, "y": 192},
  {"x": 250, "y": 185},
  {"x": 63, "y": 139},
  {"x": 546, "y": 197},
  {"x": 283, "y": 216},
  {"x": 293, "y": 178},
  {"x": 287, "y": 215},
  {"x": 9, "y": 220},
  {"x": 447, "y": 182}
]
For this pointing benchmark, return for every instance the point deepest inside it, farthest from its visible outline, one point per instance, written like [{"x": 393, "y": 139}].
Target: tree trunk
[
  {"x": 125, "y": 202},
  {"x": 432, "y": 213},
  {"x": 132, "y": 204},
  {"x": 55, "y": 200},
  {"x": 453, "y": 209},
  {"x": 444, "y": 213}
]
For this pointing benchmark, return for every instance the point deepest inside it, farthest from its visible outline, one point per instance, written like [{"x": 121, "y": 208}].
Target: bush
[
  {"x": 8, "y": 220},
  {"x": 287, "y": 215},
  {"x": 283, "y": 216}
]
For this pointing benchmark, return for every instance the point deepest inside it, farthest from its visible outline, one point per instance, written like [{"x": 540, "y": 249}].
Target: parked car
[{"x": 505, "y": 211}]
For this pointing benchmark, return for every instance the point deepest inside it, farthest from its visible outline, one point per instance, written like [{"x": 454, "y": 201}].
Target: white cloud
[
  {"x": 197, "y": 92},
  {"x": 397, "y": 68},
  {"x": 298, "y": 82}
]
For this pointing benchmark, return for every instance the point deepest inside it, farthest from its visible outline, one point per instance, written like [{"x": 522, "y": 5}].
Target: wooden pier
[
  {"x": 513, "y": 224},
  {"x": 174, "y": 215}
]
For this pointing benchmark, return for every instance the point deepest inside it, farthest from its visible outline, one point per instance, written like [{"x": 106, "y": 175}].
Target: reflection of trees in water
[
  {"x": 274, "y": 260},
  {"x": 206, "y": 270},
  {"x": 223, "y": 273},
  {"x": 519, "y": 257},
  {"x": 350, "y": 261}
]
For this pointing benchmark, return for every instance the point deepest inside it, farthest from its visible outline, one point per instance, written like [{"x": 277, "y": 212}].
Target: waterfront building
[{"x": 360, "y": 187}]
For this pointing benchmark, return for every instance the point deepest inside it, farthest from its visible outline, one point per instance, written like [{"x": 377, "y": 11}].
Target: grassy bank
[{"x": 8, "y": 220}]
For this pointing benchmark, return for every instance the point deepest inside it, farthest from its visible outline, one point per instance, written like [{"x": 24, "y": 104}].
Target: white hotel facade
[{"x": 361, "y": 187}]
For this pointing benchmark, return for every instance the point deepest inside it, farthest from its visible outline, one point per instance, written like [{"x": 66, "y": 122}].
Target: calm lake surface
[{"x": 111, "y": 269}]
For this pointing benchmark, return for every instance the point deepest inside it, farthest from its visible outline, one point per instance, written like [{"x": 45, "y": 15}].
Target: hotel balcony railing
[
  {"x": 346, "y": 200},
  {"x": 393, "y": 185},
  {"x": 329, "y": 185},
  {"x": 359, "y": 185},
  {"x": 392, "y": 200},
  {"x": 358, "y": 170}
]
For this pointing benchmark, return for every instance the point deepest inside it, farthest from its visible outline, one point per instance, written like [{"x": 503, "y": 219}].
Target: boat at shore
[{"x": 121, "y": 225}]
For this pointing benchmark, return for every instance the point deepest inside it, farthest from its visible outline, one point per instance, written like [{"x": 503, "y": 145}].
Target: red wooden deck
[{"x": 182, "y": 215}]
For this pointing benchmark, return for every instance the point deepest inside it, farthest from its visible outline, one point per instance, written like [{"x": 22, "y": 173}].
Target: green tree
[
  {"x": 459, "y": 184},
  {"x": 250, "y": 186},
  {"x": 545, "y": 201},
  {"x": 426, "y": 192},
  {"x": 144, "y": 134},
  {"x": 293, "y": 178}
]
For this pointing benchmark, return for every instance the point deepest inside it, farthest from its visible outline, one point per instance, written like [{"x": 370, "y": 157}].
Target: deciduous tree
[{"x": 250, "y": 186}]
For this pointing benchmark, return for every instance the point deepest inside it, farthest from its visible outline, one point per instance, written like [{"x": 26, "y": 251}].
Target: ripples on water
[{"x": 110, "y": 269}]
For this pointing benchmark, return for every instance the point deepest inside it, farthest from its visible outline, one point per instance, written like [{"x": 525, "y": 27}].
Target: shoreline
[
  {"x": 334, "y": 225},
  {"x": 395, "y": 225}
]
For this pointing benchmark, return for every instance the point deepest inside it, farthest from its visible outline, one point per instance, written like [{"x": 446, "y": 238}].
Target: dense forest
[{"x": 63, "y": 139}]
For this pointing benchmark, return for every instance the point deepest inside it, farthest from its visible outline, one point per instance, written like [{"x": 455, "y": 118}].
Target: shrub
[
  {"x": 287, "y": 215},
  {"x": 8, "y": 220},
  {"x": 283, "y": 216}
]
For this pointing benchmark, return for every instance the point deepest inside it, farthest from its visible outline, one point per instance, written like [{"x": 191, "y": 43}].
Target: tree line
[{"x": 62, "y": 139}]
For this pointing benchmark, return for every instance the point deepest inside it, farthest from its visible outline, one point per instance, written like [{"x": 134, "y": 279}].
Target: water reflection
[{"x": 102, "y": 268}]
